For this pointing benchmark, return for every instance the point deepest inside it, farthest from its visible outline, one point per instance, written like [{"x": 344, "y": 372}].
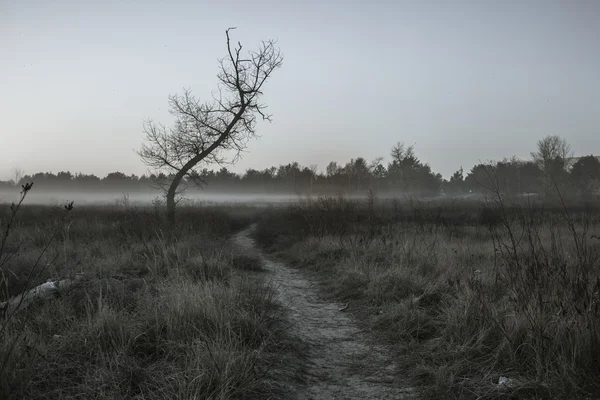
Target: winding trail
[{"x": 342, "y": 362}]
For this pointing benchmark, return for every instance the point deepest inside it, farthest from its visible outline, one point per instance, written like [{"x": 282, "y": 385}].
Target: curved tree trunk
[
  {"x": 171, "y": 196},
  {"x": 192, "y": 163},
  {"x": 195, "y": 160}
]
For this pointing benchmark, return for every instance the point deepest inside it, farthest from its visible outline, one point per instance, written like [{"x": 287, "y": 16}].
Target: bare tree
[
  {"x": 18, "y": 174},
  {"x": 553, "y": 157},
  {"x": 202, "y": 132},
  {"x": 332, "y": 169},
  {"x": 403, "y": 155},
  {"x": 549, "y": 149}
]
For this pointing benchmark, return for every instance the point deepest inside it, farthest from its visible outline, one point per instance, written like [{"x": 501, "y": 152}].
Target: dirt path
[{"x": 342, "y": 362}]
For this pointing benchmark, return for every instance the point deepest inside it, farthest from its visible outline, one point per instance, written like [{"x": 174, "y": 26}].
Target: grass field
[
  {"x": 150, "y": 317},
  {"x": 477, "y": 302},
  {"x": 500, "y": 301}
]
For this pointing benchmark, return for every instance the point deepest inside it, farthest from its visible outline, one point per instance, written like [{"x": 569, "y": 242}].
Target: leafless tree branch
[{"x": 203, "y": 132}]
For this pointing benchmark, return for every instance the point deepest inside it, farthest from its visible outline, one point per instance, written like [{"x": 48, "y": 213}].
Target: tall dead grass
[
  {"x": 153, "y": 317},
  {"x": 481, "y": 301}
]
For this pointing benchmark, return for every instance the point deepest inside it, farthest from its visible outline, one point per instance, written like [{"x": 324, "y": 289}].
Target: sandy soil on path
[{"x": 342, "y": 362}]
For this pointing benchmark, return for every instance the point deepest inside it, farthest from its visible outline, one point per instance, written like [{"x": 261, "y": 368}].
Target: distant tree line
[{"x": 551, "y": 167}]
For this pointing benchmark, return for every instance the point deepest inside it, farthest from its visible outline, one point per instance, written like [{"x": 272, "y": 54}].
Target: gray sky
[{"x": 463, "y": 80}]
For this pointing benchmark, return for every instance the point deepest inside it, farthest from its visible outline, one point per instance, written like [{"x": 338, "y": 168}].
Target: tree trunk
[{"x": 171, "y": 197}]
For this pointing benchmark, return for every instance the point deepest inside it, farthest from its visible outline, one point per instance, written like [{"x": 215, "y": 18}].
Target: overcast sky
[{"x": 463, "y": 80}]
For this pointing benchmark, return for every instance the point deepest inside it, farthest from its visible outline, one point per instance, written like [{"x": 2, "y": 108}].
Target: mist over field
[
  {"x": 192, "y": 197},
  {"x": 114, "y": 198}
]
